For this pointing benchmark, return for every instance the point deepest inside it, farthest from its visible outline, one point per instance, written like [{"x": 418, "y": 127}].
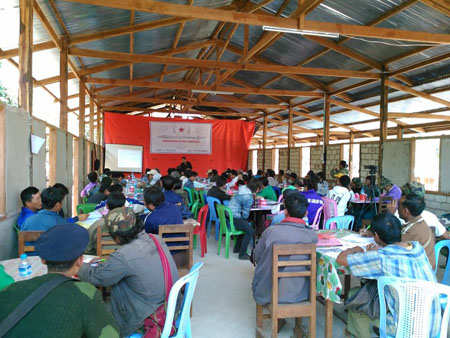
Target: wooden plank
[
  {"x": 326, "y": 131},
  {"x": 91, "y": 120},
  {"x": 63, "y": 84},
  {"x": 197, "y": 12},
  {"x": 200, "y": 103},
  {"x": 26, "y": 56},
  {"x": 424, "y": 63},
  {"x": 441, "y": 6},
  {"x": 144, "y": 58},
  {"x": 417, "y": 93},
  {"x": 383, "y": 123},
  {"x": 419, "y": 116},
  {"x": 264, "y": 143},
  {"x": 189, "y": 86},
  {"x": 9, "y": 53},
  {"x": 328, "y": 318},
  {"x": 2, "y": 160}
]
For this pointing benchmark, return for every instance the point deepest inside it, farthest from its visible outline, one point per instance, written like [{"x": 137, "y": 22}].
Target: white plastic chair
[
  {"x": 184, "y": 320},
  {"x": 415, "y": 299}
]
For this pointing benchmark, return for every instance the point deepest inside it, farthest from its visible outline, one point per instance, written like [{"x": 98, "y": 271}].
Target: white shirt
[
  {"x": 232, "y": 183},
  {"x": 342, "y": 196},
  {"x": 431, "y": 220}
]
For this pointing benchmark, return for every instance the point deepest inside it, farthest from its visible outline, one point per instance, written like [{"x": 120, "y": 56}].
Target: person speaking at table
[
  {"x": 71, "y": 308},
  {"x": 184, "y": 165}
]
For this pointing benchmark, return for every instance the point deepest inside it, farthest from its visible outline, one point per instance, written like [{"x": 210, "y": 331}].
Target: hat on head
[
  {"x": 62, "y": 243},
  {"x": 153, "y": 172},
  {"x": 385, "y": 182},
  {"x": 414, "y": 188},
  {"x": 120, "y": 220}
]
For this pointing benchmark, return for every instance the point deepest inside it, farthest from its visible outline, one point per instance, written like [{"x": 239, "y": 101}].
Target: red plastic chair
[{"x": 201, "y": 229}]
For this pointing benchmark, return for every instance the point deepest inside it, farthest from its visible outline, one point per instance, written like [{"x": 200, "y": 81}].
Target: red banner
[{"x": 230, "y": 142}]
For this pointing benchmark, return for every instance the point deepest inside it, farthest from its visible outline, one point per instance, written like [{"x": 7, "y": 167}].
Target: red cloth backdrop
[{"x": 230, "y": 142}]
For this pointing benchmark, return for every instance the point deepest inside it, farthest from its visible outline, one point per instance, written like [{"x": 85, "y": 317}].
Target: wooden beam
[
  {"x": 417, "y": 93},
  {"x": 383, "y": 123},
  {"x": 26, "y": 56},
  {"x": 419, "y": 116},
  {"x": 290, "y": 136},
  {"x": 326, "y": 132},
  {"x": 144, "y": 58},
  {"x": 441, "y": 6},
  {"x": 6, "y": 54},
  {"x": 63, "y": 84},
  {"x": 264, "y": 143},
  {"x": 197, "y": 12},
  {"x": 188, "y": 86},
  {"x": 106, "y": 98},
  {"x": 424, "y": 63},
  {"x": 91, "y": 120},
  {"x": 82, "y": 111}
]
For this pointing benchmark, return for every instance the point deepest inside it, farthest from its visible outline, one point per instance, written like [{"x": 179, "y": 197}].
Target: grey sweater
[
  {"x": 292, "y": 289},
  {"x": 136, "y": 275}
]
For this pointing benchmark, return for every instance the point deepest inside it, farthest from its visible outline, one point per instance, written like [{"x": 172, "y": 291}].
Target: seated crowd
[{"x": 404, "y": 232}]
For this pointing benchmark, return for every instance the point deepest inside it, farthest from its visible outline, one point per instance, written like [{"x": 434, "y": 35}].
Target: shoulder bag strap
[
  {"x": 165, "y": 264},
  {"x": 30, "y": 302}
]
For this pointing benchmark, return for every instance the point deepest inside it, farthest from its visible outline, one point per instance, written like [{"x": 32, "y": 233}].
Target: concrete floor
[{"x": 223, "y": 304}]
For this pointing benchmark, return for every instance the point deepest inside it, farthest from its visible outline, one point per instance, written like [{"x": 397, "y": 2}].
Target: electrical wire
[{"x": 393, "y": 44}]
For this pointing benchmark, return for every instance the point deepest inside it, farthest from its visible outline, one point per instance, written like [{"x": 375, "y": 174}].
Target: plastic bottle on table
[{"x": 24, "y": 266}]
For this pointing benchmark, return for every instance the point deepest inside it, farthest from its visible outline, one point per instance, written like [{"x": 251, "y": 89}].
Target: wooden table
[{"x": 37, "y": 268}]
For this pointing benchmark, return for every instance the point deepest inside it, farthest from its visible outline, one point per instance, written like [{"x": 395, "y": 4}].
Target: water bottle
[{"x": 24, "y": 266}]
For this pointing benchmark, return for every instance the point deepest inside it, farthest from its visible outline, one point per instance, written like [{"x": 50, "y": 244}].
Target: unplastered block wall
[
  {"x": 316, "y": 159},
  {"x": 368, "y": 156},
  {"x": 268, "y": 163},
  {"x": 16, "y": 161},
  {"x": 250, "y": 160},
  {"x": 295, "y": 161},
  {"x": 259, "y": 159},
  {"x": 438, "y": 204},
  {"x": 333, "y": 158},
  {"x": 283, "y": 157}
]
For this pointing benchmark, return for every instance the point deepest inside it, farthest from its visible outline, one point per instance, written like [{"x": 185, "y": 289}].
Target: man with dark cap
[
  {"x": 134, "y": 272},
  {"x": 72, "y": 309}
]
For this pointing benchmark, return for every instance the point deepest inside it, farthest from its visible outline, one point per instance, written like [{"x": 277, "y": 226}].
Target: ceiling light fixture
[
  {"x": 300, "y": 31},
  {"x": 212, "y": 92}
]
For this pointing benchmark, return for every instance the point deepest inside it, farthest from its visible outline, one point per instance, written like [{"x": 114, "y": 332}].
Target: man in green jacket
[
  {"x": 267, "y": 192},
  {"x": 72, "y": 309}
]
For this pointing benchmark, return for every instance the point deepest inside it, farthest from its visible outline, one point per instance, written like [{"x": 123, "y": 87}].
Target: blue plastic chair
[
  {"x": 183, "y": 322},
  {"x": 213, "y": 215},
  {"x": 437, "y": 249},
  {"x": 277, "y": 191},
  {"x": 342, "y": 222},
  {"x": 415, "y": 299}
]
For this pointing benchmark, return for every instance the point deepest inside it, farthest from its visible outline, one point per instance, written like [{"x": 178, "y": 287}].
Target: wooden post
[
  {"x": 264, "y": 142},
  {"x": 63, "y": 83},
  {"x": 26, "y": 56},
  {"x": 81, "y": 124},
  {"x": 91, "y": 119},
  {"x": 383, "y": 122},
  {"x": 350, "y": 153},
  {"x": 399, "y": 133},
  {"x": 326, "y": 130},
  {"x": 98, "y": 125},
  {"x": 290, "y": 137}
]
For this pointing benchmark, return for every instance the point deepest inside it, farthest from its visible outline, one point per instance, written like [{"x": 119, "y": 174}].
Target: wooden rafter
[
  {"x": 205, "y": 13},
  {"x": 418, "y": 93}
]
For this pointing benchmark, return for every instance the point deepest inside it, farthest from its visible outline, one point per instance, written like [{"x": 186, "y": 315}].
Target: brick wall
[
  {"x": 316, "y": 159},
  {"x": 283, "y": 154},
  {"x": 333, "y": 158},
  {"x": 438, "y": 204},
  {"x": 368, "y": 156},
  {"x": 295, "y": 161},
  {"x": 268, "y": 159},
  {"x": 250, "y": 160}
]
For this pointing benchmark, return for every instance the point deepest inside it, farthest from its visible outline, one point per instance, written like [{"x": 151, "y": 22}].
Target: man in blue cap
[{"x": 71, "y": 308}]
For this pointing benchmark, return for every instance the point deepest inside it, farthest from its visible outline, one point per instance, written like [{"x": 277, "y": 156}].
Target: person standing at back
[
  {"x": 292, "y": 230},
  {"x": 72, "y": 309},
  {"x": 240, "y": 206}
]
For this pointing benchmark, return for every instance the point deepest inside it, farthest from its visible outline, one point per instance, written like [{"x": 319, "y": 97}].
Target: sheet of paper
[
  {"x": 356, "y": 239},
  {"x": 36, "y": 143}
]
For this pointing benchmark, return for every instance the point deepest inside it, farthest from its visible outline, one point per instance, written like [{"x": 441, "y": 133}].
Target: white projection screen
[{"x": 122, "y": 157}]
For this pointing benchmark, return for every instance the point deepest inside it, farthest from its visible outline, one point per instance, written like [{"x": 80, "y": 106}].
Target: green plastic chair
[
  {"x": 225, "y": 230},
  {"x": 86, "y": 208},
  {"x": 195, "y": 208},
  {"x": 201, "y": 195},
  {"x": 84, "y": 200},
  {"x": 16, "y": 228},
  {"x": 190, "y": 196}
]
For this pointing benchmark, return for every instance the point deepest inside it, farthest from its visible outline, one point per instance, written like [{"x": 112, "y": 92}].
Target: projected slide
[{"x": 121, "y": 157}]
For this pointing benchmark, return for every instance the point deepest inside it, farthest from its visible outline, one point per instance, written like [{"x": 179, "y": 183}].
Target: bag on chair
[{"x": 154, "y": 324}]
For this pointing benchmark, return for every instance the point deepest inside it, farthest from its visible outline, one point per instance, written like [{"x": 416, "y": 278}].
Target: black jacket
[{"x": 219, "y": 194}]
